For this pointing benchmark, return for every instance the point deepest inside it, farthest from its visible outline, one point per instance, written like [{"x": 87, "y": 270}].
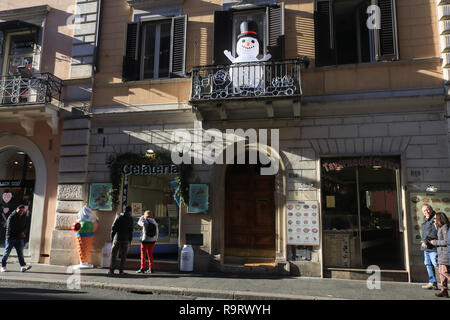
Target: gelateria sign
[
  {"x": 148, "y": 169},
  {"x": 378, "y": 162}
]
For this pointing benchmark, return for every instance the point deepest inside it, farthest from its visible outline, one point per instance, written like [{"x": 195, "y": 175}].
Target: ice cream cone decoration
[
  {"x": 84, "y": 227},
  {"x": 84, "y": 245}
]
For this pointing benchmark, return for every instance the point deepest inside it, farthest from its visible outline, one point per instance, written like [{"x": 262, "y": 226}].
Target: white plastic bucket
[
  {"x": 106, "y": 255},
  {"x": 187, "y": 258}
]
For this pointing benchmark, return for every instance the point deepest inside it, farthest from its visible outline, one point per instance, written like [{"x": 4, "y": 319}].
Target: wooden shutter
[
  {"x": 178, "y": 46},
  {"x": 131, "y": 59},
  {"x": 386, "y": 43},
  {"x": 223, "y": 34},
  {"x": 275, "y": 31},
  {"x": 324, "y": 33}
]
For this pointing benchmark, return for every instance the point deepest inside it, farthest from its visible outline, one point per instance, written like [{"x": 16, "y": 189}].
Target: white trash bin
[
  {"x": 106, "y": 255},
  {"x": 187, "y": 258}
]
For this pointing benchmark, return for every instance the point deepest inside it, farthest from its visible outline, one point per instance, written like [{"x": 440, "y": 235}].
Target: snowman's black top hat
[{"x": 248, "y": 29}]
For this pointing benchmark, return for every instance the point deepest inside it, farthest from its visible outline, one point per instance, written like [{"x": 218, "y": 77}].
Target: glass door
[{"x": 362, "y": 224}]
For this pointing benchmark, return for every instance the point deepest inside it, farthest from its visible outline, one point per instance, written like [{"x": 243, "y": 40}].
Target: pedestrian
[
  {"x": 442, "y": 224},
  {"x": 121, "y": 236},
  {"x": 16, "y": 228},
  {"x": 429, "y": 232},
  {"x": 149, "y": 237}
]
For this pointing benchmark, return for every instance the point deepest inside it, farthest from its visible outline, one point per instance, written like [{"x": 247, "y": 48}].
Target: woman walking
[{"x": 442, "y": 224}]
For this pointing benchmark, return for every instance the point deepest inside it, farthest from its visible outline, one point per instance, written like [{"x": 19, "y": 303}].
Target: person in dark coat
[
  {"x": 429, "y": 232},
  {"x": 16, "y": 229},
  {"x": 121, "y": 236},
  {"x": 442, "y": 224}
]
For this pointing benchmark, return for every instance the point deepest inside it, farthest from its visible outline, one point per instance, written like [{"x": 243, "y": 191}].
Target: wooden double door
[{"x": 249, "y": 213}]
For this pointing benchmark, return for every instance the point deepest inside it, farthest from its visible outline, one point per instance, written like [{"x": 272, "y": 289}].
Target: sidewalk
[{"x": 222, "y": 286}]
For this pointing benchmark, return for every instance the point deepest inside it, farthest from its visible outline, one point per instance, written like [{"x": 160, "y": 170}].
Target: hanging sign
[{"x": 7, "y": 196}]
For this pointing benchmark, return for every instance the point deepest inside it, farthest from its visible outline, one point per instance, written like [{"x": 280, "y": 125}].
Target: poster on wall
[
  {"x": 439, "y": 201},
  {"x": 100, "y": 197},
  {"x": 136, "y": 209},
  {"x": 198, "y": 198},
  {"x": 302, "y": 222}
]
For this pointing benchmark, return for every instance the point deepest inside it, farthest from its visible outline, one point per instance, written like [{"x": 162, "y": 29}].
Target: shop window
[
  {"x": 270, "y": 24},
  {"x": 343, "y": 37},
  {"x": 155, "y": 49},
  {"x": 362, "y": 220},
  {"x": 155, "y": 193}
]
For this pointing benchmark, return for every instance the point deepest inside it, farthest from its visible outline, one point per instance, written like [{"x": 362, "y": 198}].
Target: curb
[{"x": 190, "y": 292}]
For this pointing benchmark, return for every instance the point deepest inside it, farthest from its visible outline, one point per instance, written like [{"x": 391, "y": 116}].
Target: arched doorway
[
  {"x": 250, "y": 215},
  {"x": 17, "y": 181},
  {"x": 21, "y": 144}
]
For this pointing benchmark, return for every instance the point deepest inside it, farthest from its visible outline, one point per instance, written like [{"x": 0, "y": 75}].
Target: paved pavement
[{"x": 220, "y": 286}]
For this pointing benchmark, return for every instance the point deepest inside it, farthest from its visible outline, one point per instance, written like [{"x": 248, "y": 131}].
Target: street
[{"x": 15, "y": 290}]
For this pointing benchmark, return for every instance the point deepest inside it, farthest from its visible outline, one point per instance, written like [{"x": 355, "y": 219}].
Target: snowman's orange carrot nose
[{"x": 248, "y": 44}]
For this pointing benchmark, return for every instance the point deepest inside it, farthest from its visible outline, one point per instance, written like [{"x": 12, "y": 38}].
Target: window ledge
[
  {"x": 144, "y": 82},
  {"x": 149, "y": 4},
  {"x": 374, "y": 64}
]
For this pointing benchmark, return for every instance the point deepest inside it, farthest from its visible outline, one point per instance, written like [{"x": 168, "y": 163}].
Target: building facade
[{"x": 345, "y": 99}]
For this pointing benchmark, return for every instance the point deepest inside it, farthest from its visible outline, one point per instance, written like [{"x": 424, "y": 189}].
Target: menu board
[
  {"x": 302, "y": 222},
  {"x": 439, "y": 201}
]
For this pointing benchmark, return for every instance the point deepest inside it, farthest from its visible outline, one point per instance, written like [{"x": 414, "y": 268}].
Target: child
[
  {"x": 148, "y": 240},
  {"x": 442, "y": 224}
]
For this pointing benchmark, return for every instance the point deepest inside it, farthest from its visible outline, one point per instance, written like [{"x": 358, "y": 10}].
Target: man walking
[
  {"x": 121, "y": 235},
  {"x": 429, "y": 232},
  {"x": 16, "y": 227}
]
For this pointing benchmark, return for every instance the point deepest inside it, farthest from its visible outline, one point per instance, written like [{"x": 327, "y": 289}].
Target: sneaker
[
  {"x": 25, "y": 268},
  {"x": 149, "y": 271},
  {"x": 122, "y": 272},
  {"x": 430, "y": 286},
  {"x": 3, "y": 269},
  {"x": 140, "y": 271}
]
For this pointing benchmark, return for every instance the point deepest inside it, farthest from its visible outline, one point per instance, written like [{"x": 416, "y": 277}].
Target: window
[
  {"x": 155, "y": 49},
  {"x": 342, "y": 35},
  {"x": 270, "y": 29},
  {"x": 260, "y": 18}
]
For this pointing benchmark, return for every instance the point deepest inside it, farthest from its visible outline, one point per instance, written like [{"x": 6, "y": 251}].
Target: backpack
[{"x": 150, "y": 229}]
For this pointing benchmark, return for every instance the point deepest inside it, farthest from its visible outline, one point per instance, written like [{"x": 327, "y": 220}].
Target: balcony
[
  {"x": 27, "y": 98},
  {"x": 247, "y": 90}
]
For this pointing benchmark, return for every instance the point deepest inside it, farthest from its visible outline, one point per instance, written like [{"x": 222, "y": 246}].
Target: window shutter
[
  {"x": 324, "y": 33},
  {"x": 178, "y": 46},
  {"x": 275, "y": 31},
  {"x": 131, "y": 63},
  {"x": 223, "y": 33},
  {"x": 386, "y": 44}
]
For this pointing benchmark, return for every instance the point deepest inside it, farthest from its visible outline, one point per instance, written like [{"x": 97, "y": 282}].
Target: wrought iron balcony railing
[
  {"x": 39, "y": 88},
  {"x": 246, "y": 80}
]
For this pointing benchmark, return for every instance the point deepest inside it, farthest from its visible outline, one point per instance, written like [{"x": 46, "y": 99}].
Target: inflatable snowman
[{"x": 247, "y": 77}]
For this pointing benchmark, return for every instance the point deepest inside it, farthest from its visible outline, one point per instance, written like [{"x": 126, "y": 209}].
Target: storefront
[
  {"x": 362, "y": 213},
  {"x": 152, "y": 187},
  {"x": 17, "y": 179}
]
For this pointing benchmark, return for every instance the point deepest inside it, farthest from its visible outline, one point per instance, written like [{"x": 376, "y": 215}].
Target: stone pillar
[
  {"x": 72, "y": 189},
  {"x": 443, "y": 16}
]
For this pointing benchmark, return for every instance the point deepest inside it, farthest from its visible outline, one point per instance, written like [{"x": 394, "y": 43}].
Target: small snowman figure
[{"x": 247, "y": 48}]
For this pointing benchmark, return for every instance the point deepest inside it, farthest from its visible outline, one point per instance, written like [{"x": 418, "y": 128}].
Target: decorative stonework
[
  {"x": 65, "y": 221},
  {"x": 71, "y": 192}
]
